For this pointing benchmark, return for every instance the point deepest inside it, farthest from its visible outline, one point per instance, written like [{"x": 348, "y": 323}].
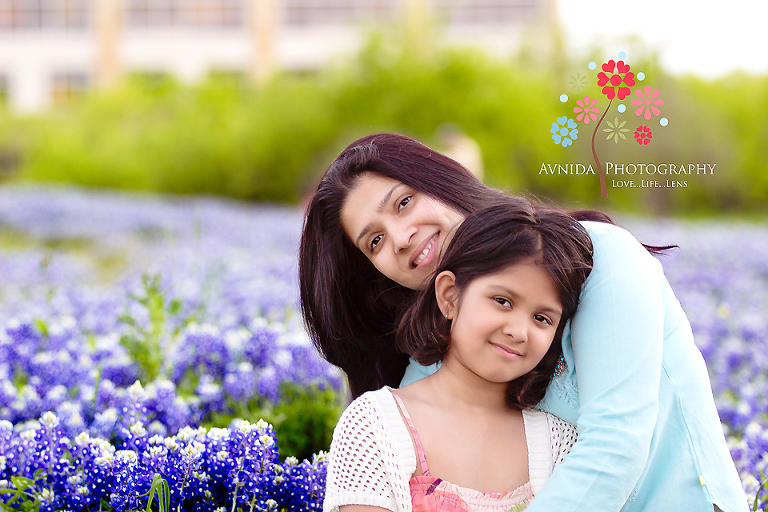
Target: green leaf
[{"x": 159, "y": 486}]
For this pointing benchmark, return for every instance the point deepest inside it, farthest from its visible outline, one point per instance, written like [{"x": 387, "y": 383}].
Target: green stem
[{"x": 603, "y": 191}]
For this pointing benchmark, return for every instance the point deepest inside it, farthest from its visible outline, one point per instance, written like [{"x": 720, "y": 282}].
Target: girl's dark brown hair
[
  {"x": 350, "y": 308},
  {"x": 488, "y": 241}
]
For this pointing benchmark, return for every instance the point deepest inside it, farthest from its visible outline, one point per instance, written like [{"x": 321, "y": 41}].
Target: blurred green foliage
[
  {"x": 303, "y": 420},
  {"x": 272, "y": 143}
]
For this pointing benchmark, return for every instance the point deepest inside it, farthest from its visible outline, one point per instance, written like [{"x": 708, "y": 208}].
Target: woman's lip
[
  {"x": 508, "y": 352},
  {"x": 420, "y": 249}
]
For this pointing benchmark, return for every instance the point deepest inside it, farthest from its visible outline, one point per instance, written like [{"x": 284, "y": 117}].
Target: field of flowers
[{"x": 143, "y": 339}]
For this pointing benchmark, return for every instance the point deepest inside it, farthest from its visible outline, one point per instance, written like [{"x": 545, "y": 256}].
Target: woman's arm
[{"x": 617, "y": 337}]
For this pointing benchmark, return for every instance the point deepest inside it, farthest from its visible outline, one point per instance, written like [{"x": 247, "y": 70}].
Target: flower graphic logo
[
  {"x": 647, "y": 102},
  {"x": 622, "y": 75},
  {"x": 578, "y": 82},
  {"x": 643, "y": 135},
  {"x": 616, "y": 130},
  {"x": 586, "y": 110},
  {"x": 615, "y": 80},
  {"x": 564, "y": 131}
]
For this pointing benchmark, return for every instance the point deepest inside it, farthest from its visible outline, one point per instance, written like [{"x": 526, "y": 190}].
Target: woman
[{"x": 634, "y": 384}]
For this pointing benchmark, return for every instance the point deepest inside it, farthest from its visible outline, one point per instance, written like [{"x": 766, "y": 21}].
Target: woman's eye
[
  {"x": 375, "y": 242},
  {"x": 543, "y": 319},
  {"x": 404, "y": 202},
  {"x": 504, "y": 302}
]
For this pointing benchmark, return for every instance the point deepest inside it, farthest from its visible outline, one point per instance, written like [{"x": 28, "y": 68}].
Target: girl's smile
[{"x": 400, "y": 230}]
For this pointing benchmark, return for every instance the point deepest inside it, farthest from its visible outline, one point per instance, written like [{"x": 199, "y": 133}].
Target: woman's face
[{"x": 400, "y": 230}]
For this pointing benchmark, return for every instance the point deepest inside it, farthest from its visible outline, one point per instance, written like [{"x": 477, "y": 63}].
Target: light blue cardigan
[{"x": 639, "y": 394}]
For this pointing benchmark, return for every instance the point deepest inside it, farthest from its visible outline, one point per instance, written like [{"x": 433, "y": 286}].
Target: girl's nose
[{"x": 515, "y": 328}]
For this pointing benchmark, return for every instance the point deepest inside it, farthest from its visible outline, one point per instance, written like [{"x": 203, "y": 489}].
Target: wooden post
[
  {"x": 417, "y": 22},
  {"x": 107, "y": 31},
  {"x": 555, "y": 36},
  {"x": 262, "y": 26}
]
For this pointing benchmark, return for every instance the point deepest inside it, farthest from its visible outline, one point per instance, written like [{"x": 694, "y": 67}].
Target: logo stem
[{"x": 603, "y": 191}]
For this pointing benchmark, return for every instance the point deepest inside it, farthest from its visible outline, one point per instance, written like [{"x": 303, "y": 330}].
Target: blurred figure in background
[{"x": 461, "y": 147}]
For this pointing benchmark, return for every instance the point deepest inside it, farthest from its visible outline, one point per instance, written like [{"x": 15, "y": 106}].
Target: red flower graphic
[
  {"x": 621, "y": 76},
  {"x": 643, "y": 135}
]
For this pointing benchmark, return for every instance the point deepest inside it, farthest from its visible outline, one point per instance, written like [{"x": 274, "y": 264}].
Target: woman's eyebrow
[{"x": 382, "y": 205}]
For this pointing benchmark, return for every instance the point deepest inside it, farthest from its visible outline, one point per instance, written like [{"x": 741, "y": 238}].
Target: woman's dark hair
[
  {"x": 349, "y": 307},
  {"x": 488, "y": 241}
]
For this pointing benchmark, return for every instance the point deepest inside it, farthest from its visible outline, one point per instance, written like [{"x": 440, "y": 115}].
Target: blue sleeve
[
  {"x": 617, "y": 336},
  {"x": 414, "y": 371}
]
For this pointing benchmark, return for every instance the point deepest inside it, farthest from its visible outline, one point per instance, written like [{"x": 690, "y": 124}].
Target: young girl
[{"x": 465, "y": 438}]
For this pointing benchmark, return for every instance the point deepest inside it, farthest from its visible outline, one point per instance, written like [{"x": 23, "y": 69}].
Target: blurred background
[
  {"x": 155, "y": 155},
  {"x": 253, "y": 98}
]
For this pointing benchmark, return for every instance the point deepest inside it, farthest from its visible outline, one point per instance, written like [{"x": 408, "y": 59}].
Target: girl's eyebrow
[{"x": 379, "y": 209}]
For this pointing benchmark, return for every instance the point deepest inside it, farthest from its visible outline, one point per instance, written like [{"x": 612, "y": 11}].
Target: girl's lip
[
  {"x": 506, "y": 351},
  {"x": 430, "y": 255}
]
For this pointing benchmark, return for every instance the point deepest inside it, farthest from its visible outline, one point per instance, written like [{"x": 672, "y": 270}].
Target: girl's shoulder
[
  {"x": 376, "y": 400},
  {"x": 373, "y": 410},
  {"x": 371, "y": 427}
]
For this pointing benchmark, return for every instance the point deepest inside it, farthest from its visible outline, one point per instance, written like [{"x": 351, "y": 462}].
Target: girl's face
[
  {"x": 400, "y": 230},
  {"x": 502, "y": 324}
]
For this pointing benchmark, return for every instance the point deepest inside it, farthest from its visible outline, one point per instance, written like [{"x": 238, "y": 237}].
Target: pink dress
[{"x": 431, "y": 494}]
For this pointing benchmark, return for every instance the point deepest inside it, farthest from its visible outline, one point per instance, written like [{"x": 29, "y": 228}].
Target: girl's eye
[
  {"x": 375, "y": 242},
  {"x": 543, "y": 319},
  {"x": 403, "y": 203},
  {"x": 504, "y": 302}
]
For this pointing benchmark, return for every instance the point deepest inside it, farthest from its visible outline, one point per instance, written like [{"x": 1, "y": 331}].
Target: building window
[
  {"x": 339, "y": 12},
  {"x": 450, "y": 12},
  {"x": 185, "y": 13},
  {"x": 44, "y": 14},
  {"x": 67, "y": 86},
  {"x": 487, "y": 12}
]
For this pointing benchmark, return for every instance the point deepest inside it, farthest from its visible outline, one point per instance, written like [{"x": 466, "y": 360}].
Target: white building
[{"x": 52, "y": 49}]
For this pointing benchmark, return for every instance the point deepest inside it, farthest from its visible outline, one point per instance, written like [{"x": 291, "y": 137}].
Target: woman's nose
[{"x": 402, "y": 236}]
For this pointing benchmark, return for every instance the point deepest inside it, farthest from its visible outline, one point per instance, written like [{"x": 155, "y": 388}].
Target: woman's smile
[{"x": 426, "y": 256}]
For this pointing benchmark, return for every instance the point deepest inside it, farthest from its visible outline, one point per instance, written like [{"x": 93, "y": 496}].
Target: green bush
[{"x": 271, "y": 143}]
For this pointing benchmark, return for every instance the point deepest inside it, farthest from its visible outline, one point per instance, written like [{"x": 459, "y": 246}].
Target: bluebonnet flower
[
  {"x": 302, "y": 485},
  {"x": 62, "y": 343}
]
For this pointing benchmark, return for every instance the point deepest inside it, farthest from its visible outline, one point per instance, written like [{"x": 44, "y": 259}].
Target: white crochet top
[{"x": 372, "y": 457}]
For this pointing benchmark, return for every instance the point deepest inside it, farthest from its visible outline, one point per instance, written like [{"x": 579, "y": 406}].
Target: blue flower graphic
[{"x": 564, "y": 131}]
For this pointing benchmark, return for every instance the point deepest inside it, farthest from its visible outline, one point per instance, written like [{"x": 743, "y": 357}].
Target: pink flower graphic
[
  {"x": 643, "y": 135},
  {"x": 621, "y": 76},
  {"x": 586, "y": 110},
  {"x": 647, "y": 102}
]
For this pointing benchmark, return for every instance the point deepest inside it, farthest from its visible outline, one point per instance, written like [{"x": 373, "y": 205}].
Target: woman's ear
[{"x": 446, "y": 293}]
